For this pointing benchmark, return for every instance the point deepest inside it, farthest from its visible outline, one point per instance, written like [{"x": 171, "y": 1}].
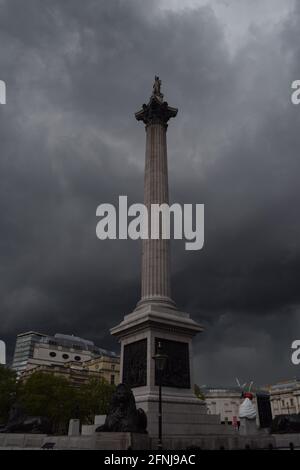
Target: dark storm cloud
[{"x": 75, "y": 75}]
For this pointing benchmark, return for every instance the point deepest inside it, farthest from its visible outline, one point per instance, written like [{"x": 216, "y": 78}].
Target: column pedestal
[
  {"x": 248, "y": 427},
  {"x": 183, "y": 413}
]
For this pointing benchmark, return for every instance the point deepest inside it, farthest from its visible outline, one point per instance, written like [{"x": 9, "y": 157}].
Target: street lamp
[{"x": 160, "y": 364}]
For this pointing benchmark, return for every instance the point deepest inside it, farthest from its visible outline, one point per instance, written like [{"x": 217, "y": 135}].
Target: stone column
[
  {"x": 156, "y": 253},
  {"x": 155, "y": 282},
  {"x": 156, "y": 318}
]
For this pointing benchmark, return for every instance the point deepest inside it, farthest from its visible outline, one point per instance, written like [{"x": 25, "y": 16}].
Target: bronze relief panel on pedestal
[
  {"x": 177, "y": 370},
  {"x": 135, "y": 364}
]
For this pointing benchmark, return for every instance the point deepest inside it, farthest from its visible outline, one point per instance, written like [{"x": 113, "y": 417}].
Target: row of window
[
  {"x": 74, "y": 346},
  {"x": 284, "y": 403},
  {"x": 76, "y": 358},
  {"x": 64, "y": 356}
]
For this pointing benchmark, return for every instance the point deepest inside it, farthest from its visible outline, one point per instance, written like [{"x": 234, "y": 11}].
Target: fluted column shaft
[
  {"x": 156, "y": 253},
  {"x": 156, "y": 285}
]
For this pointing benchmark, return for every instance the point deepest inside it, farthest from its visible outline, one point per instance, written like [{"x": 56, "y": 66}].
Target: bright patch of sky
[{"x": 241, "y": 19}]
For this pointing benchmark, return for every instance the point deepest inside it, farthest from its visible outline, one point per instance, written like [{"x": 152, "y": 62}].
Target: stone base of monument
[
  {"x": 103, "y": 441},
  {"x": 126, "y": 441},
  {"x": 184, "y": 415},
  {"x": 216, "y": 442},
  {"x": 248, "y": 427},
  {"x": 284, "y": 441},
  {"x": 89, "y": 429},
  {"x": 21, "y": 441},
  {"x": 74, "y": 427},
  {"x": 98, "y": 441}
]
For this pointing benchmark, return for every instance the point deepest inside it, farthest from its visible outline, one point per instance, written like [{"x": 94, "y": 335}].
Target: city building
[
  {"x": 107, "y": 366},
  {"x": 78, "y": 373},
  {"x": 74, "y": 372},
  {"x": 34, "y": 349},
  {"x": 285, "y": 397},
  {"x": 226, "y": 402},
  {"x": 24, "y": 349}
]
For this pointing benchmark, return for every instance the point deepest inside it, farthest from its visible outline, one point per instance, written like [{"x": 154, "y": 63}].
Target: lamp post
[{"x": 160, "y": 364}]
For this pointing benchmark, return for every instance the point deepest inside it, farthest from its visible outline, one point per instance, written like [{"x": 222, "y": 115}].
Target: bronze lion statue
[
  {"x": 123, "y": 416},
  {"x": 20, "y": 422}
]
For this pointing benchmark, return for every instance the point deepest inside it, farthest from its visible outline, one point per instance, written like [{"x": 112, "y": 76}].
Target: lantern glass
[
  {"x": 161, "y": 362},
  {"x": 160, "y": 359}
]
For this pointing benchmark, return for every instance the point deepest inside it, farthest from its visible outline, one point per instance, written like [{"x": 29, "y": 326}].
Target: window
[
  {"x": 65, "y": 356},
  {"x": 292, "y": 402},
  {"x": 113, "y": 367},
  {"x": 112, "y": 380},
  {"x": 52, "y": 354},
  {"x": 77, "y": 358}
]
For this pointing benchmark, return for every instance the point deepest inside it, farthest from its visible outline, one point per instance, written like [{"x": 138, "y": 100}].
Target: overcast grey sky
[{"x": 76, "y": 72}]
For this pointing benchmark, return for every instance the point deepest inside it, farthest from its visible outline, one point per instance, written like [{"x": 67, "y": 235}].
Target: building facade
[
  {"x": 73, "y": 372},
  {"x": 24, "y": 349},
  {"x": 224, "y": 402},
  {"x": 107, "y": 366},
  {"x": 33, "y": 349},
  {"x": 285, "y": 397},
  {"x": 78, "y": 373}
]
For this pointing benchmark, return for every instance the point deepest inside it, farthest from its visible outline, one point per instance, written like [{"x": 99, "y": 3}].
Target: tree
[
  {"x": 198, "y": 392},
  {"x": 49, "y": 396},
  {"x": 58, "y": 400},
  {"x": 8, "y": 391},
  {"x": 94, "y": 399}
]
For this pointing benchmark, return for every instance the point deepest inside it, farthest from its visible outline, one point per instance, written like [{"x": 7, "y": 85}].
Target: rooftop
[{"x": 60, "y": 339}]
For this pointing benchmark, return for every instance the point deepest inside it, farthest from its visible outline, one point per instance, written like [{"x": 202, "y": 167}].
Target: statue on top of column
[
  {"x": 156, "y": 88},
  {"x": 157, "y": 110}
]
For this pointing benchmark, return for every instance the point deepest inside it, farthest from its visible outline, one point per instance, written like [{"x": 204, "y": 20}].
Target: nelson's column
[{"x": 156, "y": 317}]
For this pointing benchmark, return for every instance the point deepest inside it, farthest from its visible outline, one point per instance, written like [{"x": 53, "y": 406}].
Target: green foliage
[
  {"x": 94, "y": 399},
  {"x": 199, "y": 394},
  {"x": 8, "y": 391},
  {"x": 49, "y": 396},
  {"x": 54, "y": 397}
]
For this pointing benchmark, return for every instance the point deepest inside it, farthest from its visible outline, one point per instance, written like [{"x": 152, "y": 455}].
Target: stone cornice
[
  {"x": 152, "y": 317},
  {"x": 156, "y": 112}
]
